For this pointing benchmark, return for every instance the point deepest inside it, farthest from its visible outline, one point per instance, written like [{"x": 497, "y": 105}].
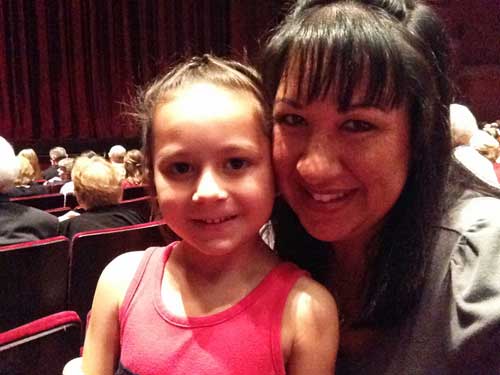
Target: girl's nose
[{"x": 209, "y": 188}]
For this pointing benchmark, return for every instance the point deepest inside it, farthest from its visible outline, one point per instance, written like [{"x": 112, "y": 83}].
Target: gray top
[{"x": 456, "y": 327}]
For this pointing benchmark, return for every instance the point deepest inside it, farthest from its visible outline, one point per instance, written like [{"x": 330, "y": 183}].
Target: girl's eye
[
  {"x": 236, "y": 163},
  {"x": 180, "y": 168},
  {"x": 357, "y": 126},
  {"x": 289, "y": 120}
]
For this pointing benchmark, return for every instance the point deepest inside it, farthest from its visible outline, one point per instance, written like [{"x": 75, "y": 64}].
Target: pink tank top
[{"x": 244, "y": 339}]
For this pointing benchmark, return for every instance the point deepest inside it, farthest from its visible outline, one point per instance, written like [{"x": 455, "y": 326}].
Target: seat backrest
[
  {"x": 33, "y": 280},
  {"x": 42, "y": 201},
  {"x": 132, "y": 192},
  {"x": 141, "y": 205},
  {"x": 42, "y": 346},
  {"x": 60, "y": 211},
  {"x": 91, "y": 251},
  {"x": 71, "y": 200}
]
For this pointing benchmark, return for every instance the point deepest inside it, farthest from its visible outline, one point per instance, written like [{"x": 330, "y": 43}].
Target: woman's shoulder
[{"x": 474, "y": 214}]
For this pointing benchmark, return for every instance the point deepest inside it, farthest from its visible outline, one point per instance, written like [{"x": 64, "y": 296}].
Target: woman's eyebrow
[{"x": 290, "y": 102}]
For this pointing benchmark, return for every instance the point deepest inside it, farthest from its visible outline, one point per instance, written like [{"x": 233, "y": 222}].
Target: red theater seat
[
  {"x": 42, "y": 201},
  {"x": 33, "y": 280},
  {"x": 132, "y": 192},
  {"x": 42, "y": 346},
  {"x": 91, "y": 251},
  {"x": 141, "y": 205}
]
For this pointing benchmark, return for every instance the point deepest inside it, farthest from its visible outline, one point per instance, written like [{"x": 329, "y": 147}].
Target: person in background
[
  {"x": 56, "y": 153},
  {"x": 64, "y": 170},
  {"x": 25, "y": 184},
  {"x": 98, "y": 193},
  {"x": 19, "y": 223},
  {"x": 488, "y": 147},
  {"x": 134, "y": 168},
  {"x": 88, "y": 153},
  {"x": 31, "y": 155},
  {"x": 463, "y": 128},
  {"x": 372, "y": 201},
  {"x": 116, "y": 155}
]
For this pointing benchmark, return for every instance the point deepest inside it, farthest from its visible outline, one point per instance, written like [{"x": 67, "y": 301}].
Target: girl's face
[
  {"x": 341, "y": 172},
  {"x": 212, "y": 168}
]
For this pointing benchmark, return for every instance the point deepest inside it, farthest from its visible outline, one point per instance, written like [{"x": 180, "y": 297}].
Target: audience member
[
  {"x": 116, "y": 155},
  {"x": 134, "y": 168},
  {"x": 19, "y": 223},
  {"x": 65, "y": 169},
  {"x": 25, "y": 183},
  {"x": 463, "y": 127},
  {"x": 98, "y": 192},
  {"x": 31, "y": 155},
  {"x": 88, "y": 153},
  {"x": 55, "y": 154},
  {"x": 488, "y": 146}
]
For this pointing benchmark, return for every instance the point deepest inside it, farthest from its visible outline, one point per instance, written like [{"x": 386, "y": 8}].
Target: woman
[
  {"x": 134, "y": 168},
  {"x": 373, "y": 205},
  {"x": 31, "y": 155},
  {"x": 25, "y": 184}
]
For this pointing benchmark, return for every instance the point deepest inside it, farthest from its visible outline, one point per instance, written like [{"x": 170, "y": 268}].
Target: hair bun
[{"x": 397, "y": 8}]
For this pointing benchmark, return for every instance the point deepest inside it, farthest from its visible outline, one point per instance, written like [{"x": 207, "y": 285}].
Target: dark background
[{"x": 68, "y": 68}]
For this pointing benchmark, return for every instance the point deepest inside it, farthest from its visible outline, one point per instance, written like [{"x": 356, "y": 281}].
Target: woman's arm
[
  {"x": 101, "y": 350},
  {"x": 310, "y": 330}
]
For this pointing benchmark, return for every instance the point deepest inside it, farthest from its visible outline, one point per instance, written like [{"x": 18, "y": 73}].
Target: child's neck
[{"x": 204, "y": 284}]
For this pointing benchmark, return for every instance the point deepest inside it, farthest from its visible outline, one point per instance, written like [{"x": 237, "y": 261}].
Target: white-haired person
[
  {"x": 19, "y": 223},
  {"x": 463, "y": 128},
  {"x": 98, "y": 191},
  {"x": 116, "y": 156}
]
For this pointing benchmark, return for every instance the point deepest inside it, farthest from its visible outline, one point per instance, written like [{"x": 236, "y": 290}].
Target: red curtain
[{"x": 67, "y": 67}]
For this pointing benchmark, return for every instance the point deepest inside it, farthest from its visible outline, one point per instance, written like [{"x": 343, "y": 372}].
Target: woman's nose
[
  {"x": 209, "y": 188},
  {"x": 320, "y": 162}
]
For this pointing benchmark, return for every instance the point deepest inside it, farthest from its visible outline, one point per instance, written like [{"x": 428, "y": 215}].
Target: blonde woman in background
[
  {"x": 31, "y": 155},
  {"x": 134, "y": 168},
  {"x": 25, "y": 183}
]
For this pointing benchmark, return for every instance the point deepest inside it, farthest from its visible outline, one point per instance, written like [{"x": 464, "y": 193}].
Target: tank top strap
[
  {"x": 152, "y": 256},
  {"x": 284, "y": 278}
]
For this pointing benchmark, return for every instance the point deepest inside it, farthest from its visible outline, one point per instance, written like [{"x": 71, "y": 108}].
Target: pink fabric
[{"x": 244, "y": 339}]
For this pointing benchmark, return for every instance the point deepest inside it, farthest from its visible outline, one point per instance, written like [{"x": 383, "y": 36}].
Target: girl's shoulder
[{"x": 118, "y": 274}]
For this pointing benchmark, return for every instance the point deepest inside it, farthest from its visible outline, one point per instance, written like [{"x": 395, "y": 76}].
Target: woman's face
[{"x": 341, "y": 172}]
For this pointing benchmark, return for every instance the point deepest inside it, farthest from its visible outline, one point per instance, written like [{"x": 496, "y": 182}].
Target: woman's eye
[
  {"x": 357, "y": 126},
  {"x": 180, "y": 168},
  {"x": 236, "y": 163},
  {"x": 289, "y": 120}
]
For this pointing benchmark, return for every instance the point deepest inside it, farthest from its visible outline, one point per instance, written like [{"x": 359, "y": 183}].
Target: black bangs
[{"x": 349, "y": 50}]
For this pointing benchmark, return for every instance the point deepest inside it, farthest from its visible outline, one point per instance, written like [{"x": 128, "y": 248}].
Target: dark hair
[
  {"x": 207, "y": 68},
  {"x": 385, "y": 48}
]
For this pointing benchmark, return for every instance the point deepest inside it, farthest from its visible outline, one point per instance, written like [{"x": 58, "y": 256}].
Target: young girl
[{"x": 218, "y": 301}]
